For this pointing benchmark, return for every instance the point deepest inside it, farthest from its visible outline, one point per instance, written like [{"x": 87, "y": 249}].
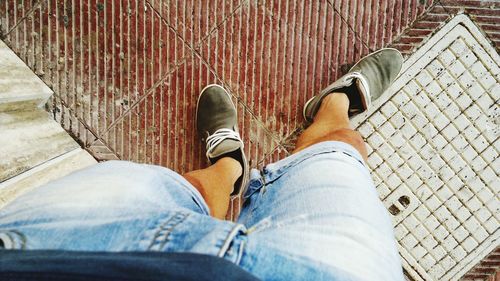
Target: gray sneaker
[
  {"x": 217, "y": 126},
  {"x": 364, "y": 83}
]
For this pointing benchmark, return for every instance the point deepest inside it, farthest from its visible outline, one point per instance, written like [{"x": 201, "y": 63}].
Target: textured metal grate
[{"x": 433, "y": 142}]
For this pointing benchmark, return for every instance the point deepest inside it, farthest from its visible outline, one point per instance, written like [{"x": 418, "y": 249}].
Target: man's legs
[
  {"x": 112, "y": 206},
  {"x": 316, "y": 214},
  {"x": 216, "y": 123},
  {"x": 331, "y": 123},
  {"x": 215, "y": 183}
]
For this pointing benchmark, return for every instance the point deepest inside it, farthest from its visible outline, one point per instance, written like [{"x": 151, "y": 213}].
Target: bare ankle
[
  {"x": 215, "y": 188},
  {"x": 334, "y": 107},
  {"x": 335, "y": 100},
  {"x": 230, "y": 166}
]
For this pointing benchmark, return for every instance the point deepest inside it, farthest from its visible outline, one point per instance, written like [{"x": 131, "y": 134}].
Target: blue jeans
[{"x": 314, "y": 215}]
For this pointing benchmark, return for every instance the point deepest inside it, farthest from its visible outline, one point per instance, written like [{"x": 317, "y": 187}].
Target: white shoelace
[{"x": 219, "y": 136}]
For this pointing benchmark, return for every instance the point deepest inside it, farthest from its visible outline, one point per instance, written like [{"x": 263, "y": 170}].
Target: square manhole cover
[{"x": 433, "y": 150}]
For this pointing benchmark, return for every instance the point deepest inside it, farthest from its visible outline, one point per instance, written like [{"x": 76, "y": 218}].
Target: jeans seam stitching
[
  {"x": 273, "y": 176},
  {"x": 162, "y": 235},
  {"x": 229, "y": 239}
]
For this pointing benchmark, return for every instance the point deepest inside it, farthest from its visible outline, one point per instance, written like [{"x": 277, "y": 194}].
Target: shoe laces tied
[{"x": 219, "y": 136}]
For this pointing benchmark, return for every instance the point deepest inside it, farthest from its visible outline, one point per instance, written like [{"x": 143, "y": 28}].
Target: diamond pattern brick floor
[
  {"x": 126, "y": 73},
  {"x": 486, "y": 14}
]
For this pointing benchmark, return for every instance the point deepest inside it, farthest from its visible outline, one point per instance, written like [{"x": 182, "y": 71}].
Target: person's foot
[
  {"x": 217, "y": 126},
  {"x": 364, "y": 83}
]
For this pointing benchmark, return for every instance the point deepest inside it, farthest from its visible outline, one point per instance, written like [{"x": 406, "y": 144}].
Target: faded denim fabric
[{"x": 314, "y": 215}]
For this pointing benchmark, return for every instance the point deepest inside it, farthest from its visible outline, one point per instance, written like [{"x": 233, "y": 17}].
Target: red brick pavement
[
  {"x": 486, "y": 14},
  {"x": 488, "y": 269},
  {"x": 126, "y": 74}
]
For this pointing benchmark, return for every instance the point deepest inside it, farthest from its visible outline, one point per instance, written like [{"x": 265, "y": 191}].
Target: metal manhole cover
[{"x": 433, "y": 150}]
